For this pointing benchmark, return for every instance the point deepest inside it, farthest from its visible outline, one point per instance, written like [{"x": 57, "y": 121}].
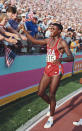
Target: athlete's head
[{"x": 55, "y": 29}]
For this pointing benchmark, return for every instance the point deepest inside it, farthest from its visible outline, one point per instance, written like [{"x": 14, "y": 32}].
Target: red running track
[{"x": 64, "y": 116}]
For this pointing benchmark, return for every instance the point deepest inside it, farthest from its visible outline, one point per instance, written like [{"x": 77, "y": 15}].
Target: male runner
[{"x": 56, "y": 46}]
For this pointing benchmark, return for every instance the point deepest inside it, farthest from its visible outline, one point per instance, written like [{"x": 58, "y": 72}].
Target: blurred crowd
[{"x": 36, "y": 16}]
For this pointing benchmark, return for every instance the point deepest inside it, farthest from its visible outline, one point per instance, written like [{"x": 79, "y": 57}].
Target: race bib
[{"x": 50, "y": 56}]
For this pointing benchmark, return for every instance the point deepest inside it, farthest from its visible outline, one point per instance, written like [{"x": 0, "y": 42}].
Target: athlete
[{"x": 53, "y": 72}]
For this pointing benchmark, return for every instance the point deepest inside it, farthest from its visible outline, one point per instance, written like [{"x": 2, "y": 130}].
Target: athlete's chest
[{"x": 54, "y": 44}]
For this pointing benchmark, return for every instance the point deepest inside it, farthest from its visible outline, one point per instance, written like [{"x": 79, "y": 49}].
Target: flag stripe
[{"x": 10, "y": 56}]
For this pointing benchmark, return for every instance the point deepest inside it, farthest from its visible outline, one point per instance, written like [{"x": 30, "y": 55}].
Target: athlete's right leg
[{"x": 42, "y": 87}]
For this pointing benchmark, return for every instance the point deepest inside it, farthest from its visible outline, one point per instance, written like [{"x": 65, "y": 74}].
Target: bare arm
[
  {"x": 3, "y": 31},
  {"x": 1, "y": 37},
  {"x": 33, "y": 40},
  {"x": 10, "y": 40},
  {"x": 10, "y": 29},
  {"x": 69, "y": 57},
  {"x": 17, "y": 35},
  {"x": 12, "y": 35}
]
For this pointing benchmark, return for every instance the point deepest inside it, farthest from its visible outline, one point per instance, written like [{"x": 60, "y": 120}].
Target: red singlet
[{"x": 53, "y": 54}]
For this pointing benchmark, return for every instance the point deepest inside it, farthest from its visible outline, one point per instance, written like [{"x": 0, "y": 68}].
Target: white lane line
[{"x": 64, "y": 100}]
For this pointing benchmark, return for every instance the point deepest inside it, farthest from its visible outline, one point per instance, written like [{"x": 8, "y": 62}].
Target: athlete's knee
[{"x": 40, "y": 93}]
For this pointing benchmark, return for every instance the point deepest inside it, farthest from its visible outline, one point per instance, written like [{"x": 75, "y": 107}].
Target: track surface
[{"x": 64, "y": 116}]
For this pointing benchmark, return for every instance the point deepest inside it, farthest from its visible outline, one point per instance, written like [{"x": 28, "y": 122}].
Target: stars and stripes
[{"x": 9, "y": 56}]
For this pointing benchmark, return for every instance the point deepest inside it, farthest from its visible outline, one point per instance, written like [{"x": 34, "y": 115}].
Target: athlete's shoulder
[
  {"x": 63, "y": 42},
  {"x": 47, "y": 40}
]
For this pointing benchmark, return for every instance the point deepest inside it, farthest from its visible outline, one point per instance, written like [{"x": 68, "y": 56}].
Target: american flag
[{"x": 9, "y": 56}]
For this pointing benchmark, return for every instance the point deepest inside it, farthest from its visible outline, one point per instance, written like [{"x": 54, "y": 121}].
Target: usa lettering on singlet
[{"x": 50, "y": 55}]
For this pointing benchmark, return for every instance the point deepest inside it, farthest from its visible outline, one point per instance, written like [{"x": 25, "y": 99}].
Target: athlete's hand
[{"x": 57, "y": 61}]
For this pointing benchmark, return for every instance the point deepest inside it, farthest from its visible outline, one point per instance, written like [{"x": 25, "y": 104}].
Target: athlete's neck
[{"x": 56, "y": 37}]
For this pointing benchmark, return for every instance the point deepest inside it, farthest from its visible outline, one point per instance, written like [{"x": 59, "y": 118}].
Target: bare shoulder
[
  {"x": 65, "y": 47},
  {"x": 63, "y": 43}
]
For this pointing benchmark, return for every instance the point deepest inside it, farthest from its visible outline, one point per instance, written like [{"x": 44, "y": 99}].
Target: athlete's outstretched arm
[
  {"x": 33, "y": 40},
  {"x": 69, "y": 57}
]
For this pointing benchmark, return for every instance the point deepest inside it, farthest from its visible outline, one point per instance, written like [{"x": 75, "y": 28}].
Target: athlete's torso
[{"x": 53, "y": 52}]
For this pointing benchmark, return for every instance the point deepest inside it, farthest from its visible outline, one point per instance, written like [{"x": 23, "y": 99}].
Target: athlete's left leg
[{"x": 53, "y": 88}]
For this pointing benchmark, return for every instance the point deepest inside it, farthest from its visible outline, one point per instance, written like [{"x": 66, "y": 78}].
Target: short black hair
[{"x": 58, "y": 25}]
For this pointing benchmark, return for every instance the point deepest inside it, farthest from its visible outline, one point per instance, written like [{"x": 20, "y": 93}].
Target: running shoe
[
  {"x": 49, "y": 123},
  {"x": 77, "y": 123}
]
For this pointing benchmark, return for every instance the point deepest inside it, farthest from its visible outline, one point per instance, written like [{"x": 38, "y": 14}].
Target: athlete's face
[{"x": 54, "y": 31}]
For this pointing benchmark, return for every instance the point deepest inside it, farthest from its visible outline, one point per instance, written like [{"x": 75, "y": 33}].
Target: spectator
[
  {"x": 12, "y": 26},
  {"x": 32, "y": 27},
  {"x": 11, "y": 12},
  {"x": 3, "y": 20},
  {"x": 45, "y": 11},
  {"x": 68, "y": 37},
  {"x": 4, "y": 35},
  {"x": 1, "y": 5},
  {"x": 74, "y": 46}
]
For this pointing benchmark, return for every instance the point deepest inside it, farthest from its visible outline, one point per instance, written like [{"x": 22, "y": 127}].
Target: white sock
[
  {"x": 49, "y": 106},
  {"x": 50, "y": 118}
]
